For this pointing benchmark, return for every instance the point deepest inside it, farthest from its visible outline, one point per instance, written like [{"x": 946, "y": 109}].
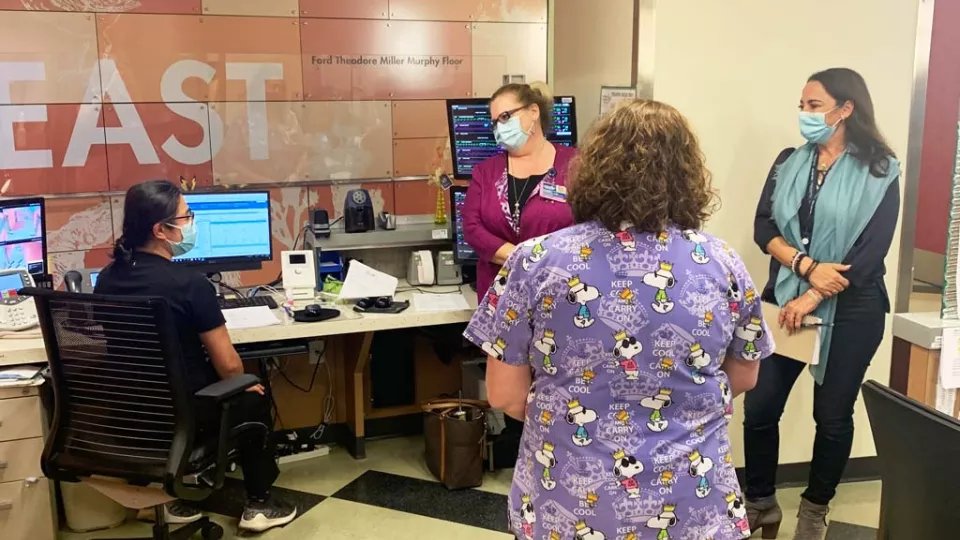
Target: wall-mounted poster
[{"x": 611, "y": 96}]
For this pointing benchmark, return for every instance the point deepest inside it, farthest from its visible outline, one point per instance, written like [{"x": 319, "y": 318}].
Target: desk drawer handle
[
  {"x": 6, "y": 505},
  {"x": 31, "y": 481}
]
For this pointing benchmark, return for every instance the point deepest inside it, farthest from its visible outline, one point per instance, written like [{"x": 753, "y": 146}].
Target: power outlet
[{"x": 316, "y": 352}]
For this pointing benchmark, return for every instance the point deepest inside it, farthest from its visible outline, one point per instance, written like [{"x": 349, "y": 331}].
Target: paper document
[
  {"x": 249, "y": 317},
  {"x": 950, "y": 358},
  {"x": 440, "y": 302},
  {"x": 946, "y": 400},
  {"x": 804, "y": 346},
  {"x": 365, "y": 282}
]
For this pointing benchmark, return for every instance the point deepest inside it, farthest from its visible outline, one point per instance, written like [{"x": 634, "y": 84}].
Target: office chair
[
  {"x": 122, "y": 408},
  {"x": 917, "y": 448}
]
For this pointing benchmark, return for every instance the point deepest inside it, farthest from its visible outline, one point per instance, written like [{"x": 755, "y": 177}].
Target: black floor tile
[
  {"x": 229, "y": 500},
  {"x": 847, "y": 531},
  {"x": 429, "y": 499}
]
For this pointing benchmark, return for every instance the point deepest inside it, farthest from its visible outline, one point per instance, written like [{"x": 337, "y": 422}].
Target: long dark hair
[
  {"x": 863, "y": 135},
  {"x": 145, "y": 205}
]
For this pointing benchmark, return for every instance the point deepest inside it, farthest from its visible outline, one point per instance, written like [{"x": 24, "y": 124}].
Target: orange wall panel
[
  {"x": 106, "y": 6},
  {"x": 345, "y": 9},
  {"x": 175, "y": 58},
  {"x": 419, "y": 119},
  {"x": 332, "y": 198},
  {"x": 47, "y": 57},
  {"x": 79, "y": 224},
  {"x": 48, "y": 157},
  {"x": 415, "y": 197},
  {"x": 267, "y": 8},
  {"x": 420, "y": 157},
  {"x": 470, "y": 10},
  {"x": 363, "y": 59}
]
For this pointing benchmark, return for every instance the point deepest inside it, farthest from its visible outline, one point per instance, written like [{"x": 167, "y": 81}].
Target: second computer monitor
[
  {"x": 233, "y": 231},
  {"x": 462, "y": 252},
  {"x": 23, "y": 241}
]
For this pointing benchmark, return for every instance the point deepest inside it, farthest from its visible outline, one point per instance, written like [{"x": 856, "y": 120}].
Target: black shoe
[
  {"x": 174, "y": 513},
  {"x": 258, "y": 516}
]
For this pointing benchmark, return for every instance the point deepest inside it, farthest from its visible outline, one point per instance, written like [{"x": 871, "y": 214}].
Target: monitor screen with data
[
  {"x": 462, "y": 252},
  {"x": 23, "y": 235},
  {"x": 233, "y": 230},
  {"x": 471, "y": 131}
]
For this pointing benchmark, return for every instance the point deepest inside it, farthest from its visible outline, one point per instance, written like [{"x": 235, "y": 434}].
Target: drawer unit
[
  {"x": 20, "y": 418},
  {"x": 20, "y": 459},
  {"x": 25, "y": 510}
]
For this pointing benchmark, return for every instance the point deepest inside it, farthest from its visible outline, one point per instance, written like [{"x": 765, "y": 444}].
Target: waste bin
[{"x": 87, "y": 509}]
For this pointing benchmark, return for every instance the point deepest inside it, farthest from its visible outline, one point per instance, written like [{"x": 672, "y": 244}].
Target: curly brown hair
[{"x": 642, "y": 164}]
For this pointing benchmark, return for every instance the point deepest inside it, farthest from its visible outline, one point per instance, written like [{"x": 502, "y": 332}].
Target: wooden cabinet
[{"x": 26, "y": 507}]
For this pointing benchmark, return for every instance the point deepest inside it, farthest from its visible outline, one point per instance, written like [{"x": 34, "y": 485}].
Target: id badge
[{"x": 553, "y": 192}]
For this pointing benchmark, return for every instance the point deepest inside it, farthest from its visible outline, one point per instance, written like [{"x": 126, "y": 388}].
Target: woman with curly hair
[{"x": 621, "y": 341}]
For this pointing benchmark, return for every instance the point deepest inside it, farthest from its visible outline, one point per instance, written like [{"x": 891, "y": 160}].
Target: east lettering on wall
[{"x": 309, "y": 97}]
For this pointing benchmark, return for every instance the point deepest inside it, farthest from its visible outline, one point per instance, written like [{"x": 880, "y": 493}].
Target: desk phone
[{"x": 16, "y": 312}]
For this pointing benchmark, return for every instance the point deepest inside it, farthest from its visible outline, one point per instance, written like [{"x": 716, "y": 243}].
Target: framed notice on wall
[{"x": 611, "y": 96}]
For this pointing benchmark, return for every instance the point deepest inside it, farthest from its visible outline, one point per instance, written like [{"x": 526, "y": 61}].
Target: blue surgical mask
[
  {"x": 511, "y": 135},
  {"x": 814, "y": 127},
  {"x": 189, "y": 232}
]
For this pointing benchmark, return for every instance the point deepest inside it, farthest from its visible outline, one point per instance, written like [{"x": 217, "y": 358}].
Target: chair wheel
[{"x": 212, "y": 532}]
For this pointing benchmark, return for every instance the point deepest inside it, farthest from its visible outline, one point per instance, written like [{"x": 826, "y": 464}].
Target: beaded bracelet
[{"x": 795, "y": 263}]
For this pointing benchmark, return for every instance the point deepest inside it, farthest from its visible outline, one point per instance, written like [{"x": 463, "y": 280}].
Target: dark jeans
[
  {"x": 857, "y": 332},
  {"x": 256, "y": 454}
]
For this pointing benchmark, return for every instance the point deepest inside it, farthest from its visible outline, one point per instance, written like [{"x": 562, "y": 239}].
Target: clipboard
[{"x": 804, "y": 346}]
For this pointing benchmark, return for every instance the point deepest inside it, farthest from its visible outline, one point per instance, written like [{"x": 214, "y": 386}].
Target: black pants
[
  {"x": 256, "y": 453},
  {"x": 857, "y": 332}
]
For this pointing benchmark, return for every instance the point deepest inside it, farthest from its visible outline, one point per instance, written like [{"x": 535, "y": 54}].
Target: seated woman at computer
[
  {"x": 518, "y": 195},
  {"x": 158, "y": 225},
  {"x": 626, "y": 432}
]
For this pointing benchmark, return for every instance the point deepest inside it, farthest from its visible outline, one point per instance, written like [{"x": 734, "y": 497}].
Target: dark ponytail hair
[
  {"x": 145, "y": 205},
  {"x": 529, "y": 94},
  {"x": 863, "y": 136}
]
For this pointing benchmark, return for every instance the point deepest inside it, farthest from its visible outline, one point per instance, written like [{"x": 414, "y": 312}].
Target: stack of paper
[
  {"x": 249, "y": 317},
  {"x": 951, "y": 302},
  {"x": 440, "y": 302},
  {"x": 19, "y": 376}
]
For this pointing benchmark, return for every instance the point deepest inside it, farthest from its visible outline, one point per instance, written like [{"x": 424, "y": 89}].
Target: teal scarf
[{"x": 845, "y": 205}]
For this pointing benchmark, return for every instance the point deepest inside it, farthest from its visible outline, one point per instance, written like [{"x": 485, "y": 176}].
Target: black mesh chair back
[
  {"x": 917, "y": 448},
  {"x": 122, "y": 408}
]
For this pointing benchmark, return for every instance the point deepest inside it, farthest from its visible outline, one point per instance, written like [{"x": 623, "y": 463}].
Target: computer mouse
[
  {"x": 313, "y": 309},
  {"x": 73, "y": 281}
]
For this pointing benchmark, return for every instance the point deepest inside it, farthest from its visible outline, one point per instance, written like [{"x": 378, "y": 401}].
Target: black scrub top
[
  {"x": 192, "y": 300},
  {"x": 867, "y": 255}
]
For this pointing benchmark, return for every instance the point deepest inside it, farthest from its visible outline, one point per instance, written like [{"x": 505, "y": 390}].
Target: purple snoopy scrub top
[{"x": 626, "y": 425}]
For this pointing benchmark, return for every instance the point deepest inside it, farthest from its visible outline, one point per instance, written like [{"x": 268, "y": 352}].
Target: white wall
[
  {"x": 592, "y": 47},
  {"x": 736, "y": 69}
]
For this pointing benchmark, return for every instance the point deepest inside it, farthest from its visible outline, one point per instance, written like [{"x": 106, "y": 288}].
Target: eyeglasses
[
  {"x": 505, "y": 116},
  {"x": 189, "y": 216}
]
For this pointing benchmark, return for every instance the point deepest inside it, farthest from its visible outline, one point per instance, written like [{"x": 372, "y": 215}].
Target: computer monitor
[
  {"x": 462, "y": 252},
  {"x": 233, "y": 231},
  {"x": 471, "y": 131},
  {"x": 23, "y": 241}
]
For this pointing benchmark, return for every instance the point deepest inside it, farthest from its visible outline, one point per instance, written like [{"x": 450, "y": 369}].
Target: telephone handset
[{"x": 17, "y": 313}]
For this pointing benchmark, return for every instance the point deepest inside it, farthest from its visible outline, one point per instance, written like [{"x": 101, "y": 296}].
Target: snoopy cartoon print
[
  {"x": 546, "y": 457},
  {"x": 625, "y": 352},
  {"x": 547, "y": 346},
  {"x": 582, "y": 294},
  {"x": 495, "y": 349},
  {"x": 737, "y": 512},
  {"x": 527, "y": 517},
  {"x": 699, "y": 254},
  {"x": 727, "y": 400},
  {"x": 750, "y": 333},
  {"x": 627, "y": 241},
  {"x": 664, "y": 520},
  {"x": 699, "y": 467},
  {"x": 697, "y": 360},
  {"x": 626, "y": 468},
  {"x": 657, "y": 423},
  {"x": 582, "y": 531},
  {"x": 580, "y": 416},
  {"x": 537, "y": 253},
  {"x": 734, "y": 297},
  {"x": 661, "y": 280},
  {"x": 499, "y": 286}
]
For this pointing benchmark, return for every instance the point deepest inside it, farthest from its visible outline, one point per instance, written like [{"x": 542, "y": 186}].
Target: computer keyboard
[{"x": 246, "y": 301}]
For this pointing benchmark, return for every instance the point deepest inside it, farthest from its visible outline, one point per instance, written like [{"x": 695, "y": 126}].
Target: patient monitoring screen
[{"x": 230, "y": 225}]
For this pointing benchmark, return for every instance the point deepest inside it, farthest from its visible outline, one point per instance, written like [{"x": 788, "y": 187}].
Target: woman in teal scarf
[{"x": 826, "y": 217}]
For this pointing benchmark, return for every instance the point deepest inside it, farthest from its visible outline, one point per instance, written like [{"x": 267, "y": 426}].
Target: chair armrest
[{"x": 221, "y": 391}]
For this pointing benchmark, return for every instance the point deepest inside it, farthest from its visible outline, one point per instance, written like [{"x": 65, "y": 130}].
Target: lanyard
[{"x": 813, "y": 193}]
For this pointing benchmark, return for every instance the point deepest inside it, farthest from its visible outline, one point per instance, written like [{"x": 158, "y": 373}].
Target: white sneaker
[
  {"x": 175, "y": 513},
  {"x": 258, "y": 516}
]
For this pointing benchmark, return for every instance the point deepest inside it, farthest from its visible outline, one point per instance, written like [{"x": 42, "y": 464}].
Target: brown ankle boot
[
  {"x": 764, "y": 513},
  {"x": 812, "y": 521}
]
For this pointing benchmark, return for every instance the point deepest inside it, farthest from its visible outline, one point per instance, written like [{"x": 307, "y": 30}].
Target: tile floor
[{"x": 392, "y": 495}]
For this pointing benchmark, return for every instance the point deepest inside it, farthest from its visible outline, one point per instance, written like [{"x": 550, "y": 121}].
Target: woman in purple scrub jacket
[{"x": 516, "y": 196}]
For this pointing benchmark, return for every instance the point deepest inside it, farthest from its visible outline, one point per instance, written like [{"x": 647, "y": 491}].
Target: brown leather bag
[{"x": 455, "y": 433}]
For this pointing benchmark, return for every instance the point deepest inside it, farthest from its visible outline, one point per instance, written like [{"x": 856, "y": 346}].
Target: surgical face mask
[
  {"x": 189, "y": 232},
  {"x": 814, "y": 127},
  {"x": 511, "y": 135}
]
